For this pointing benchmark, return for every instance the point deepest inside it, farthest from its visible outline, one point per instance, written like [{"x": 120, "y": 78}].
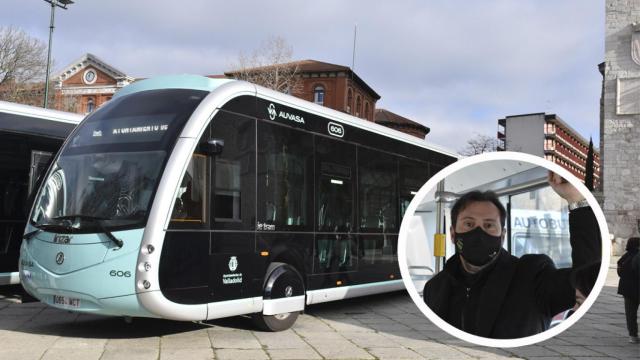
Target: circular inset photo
[{"x": 503, "y": 249}]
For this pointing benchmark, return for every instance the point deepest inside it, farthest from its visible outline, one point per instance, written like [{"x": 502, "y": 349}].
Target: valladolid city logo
[{"x": 233, "y": 263}]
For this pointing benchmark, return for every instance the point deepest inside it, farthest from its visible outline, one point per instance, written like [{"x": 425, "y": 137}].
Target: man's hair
[
  {"x": 584, "y": 277},
  {"x": 477, "y": 196},
  {"x": 633, "y": 244}
]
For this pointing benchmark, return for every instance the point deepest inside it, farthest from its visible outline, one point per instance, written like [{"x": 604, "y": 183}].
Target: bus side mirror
[{"x": 213, "y": 146}]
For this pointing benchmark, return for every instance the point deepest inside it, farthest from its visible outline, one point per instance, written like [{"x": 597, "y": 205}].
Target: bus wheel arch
[{"x": 283, "y": 297}]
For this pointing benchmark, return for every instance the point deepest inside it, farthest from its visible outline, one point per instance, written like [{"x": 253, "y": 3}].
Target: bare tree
[
  {"x": 479, "y": 144},
  {"x": 68, "y": 103},
  {"x": 23, "y": 61},
  {"x": 270, "y": 66}
]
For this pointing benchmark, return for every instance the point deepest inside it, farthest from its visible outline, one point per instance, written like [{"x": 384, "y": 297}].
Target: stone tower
[{"x": 620, "y": 128}]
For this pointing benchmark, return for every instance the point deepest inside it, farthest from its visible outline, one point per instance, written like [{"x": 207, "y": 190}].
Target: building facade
[
  {"x": 87, "y": 83},
  {"x": 548, "y": 136},
  {"x": 620, "y": 128},
  {"x": 334, "y": 86}
]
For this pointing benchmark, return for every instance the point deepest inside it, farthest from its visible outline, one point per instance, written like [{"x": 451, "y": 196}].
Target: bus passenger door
[
  {"x": 234, "y": 269},
  {"x": 336, "y": 245}
]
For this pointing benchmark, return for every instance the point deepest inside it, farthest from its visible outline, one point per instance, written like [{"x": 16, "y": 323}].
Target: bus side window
[
  {"x": 233, "y": 174},
  {"x": 190, "y": 204},
  {"x": 377, "y": 175},
  {"x": 285, "y": 178},
  {"x": 413, "y": 174}
]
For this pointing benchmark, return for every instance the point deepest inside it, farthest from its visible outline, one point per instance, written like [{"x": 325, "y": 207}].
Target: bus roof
[
  {"x": 41, "y": 113},
  {"x": 196, "y": 82}
]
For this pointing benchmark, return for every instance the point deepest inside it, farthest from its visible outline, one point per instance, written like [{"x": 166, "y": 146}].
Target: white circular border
[
  {"x": 95, "y": 76},
  {"x": 505, "y": 343}
]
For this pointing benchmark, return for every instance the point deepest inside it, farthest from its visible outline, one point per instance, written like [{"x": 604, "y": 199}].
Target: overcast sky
[{"x": 455, "y": 66}]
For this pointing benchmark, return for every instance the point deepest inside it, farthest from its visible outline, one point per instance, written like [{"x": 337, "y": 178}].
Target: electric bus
[
  {"x": 191, "y": 198},
  {"x": 29, "y": 138}
]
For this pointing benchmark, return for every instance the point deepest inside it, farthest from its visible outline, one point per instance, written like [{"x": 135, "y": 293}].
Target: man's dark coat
[{"x": 521, "y": 294}]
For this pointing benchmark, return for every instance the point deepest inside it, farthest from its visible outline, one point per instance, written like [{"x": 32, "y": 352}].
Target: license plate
[{"x": 66, "y": 301}]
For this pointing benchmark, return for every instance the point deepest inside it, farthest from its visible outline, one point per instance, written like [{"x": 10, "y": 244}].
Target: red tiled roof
[
  {"x": 390, "y": 119},
  {"x": 315, "y": 66}
]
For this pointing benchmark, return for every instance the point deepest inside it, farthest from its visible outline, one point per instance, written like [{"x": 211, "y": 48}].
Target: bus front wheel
[{"x": 282, "y": 281}]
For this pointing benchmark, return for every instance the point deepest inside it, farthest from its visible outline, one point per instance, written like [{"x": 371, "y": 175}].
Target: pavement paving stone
[
  {"x": 482, "y": 352},
  {"x": 394, "y": 353},
  {"x": 139, "y": 353},
  {"x": 186, "y": 353},
  {"x": 287, "y": 339},
  {"x": 533, "y": 351},
  {"x": 73, "y": 354},
  {"x": 391, "y": 326},
  {"x": 383, "y": 326},
  {"x": 18, "y": 340},
  {"x": 409, "y": 339},
  {"x": 287, "y": 354},
  {"x": 350, "y": 325},
  {"x": 74, "y": 343},
  {"x": 133, "y": 343},
  {"x": 572, "y": 350},
  {"x": 423, "y": 327},
  {"x": 337, "y": 348},
  {"x": 628, "y": 351},
  {"x": 374, "y": 320},
  {"x": 371, "y": 340},
  {"x": 17, "y": 310},
  {"x": 12, "y": 322},
  {"x": 579, "y": 340},
  {"x": 311, "y": 324},
  {"x": 22, "y": 354},
  {"x": 233, "y": 340},
  {"x": 189, "y": 340},
  {"x": 241, "y": 354},
  {"x": 320, "y": 336},
  {"x": 441, "y": 352},
  {"x": 556, "y": 341}
]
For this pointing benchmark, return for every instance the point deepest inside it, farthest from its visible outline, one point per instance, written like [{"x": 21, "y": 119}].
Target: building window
[
  {"x": 349, "y": 101},
  {"x": 90, "y": 105},
  {"x": 358, "y": 106},
  {"x": 318, "y": 95},
  {"x": 366, "y": 110}
]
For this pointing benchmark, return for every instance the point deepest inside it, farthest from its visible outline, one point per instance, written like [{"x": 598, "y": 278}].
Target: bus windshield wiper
[
  {"x": 31, "y": 234},
  {"x": 96, "y": 220},
  {"x": 48, "y": 227}
]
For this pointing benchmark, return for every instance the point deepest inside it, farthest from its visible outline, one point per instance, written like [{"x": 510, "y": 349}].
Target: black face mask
[{"x": 478, "y": 247}]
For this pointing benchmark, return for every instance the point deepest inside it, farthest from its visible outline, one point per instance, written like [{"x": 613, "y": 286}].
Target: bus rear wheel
[{"x": 282, "y": 281}]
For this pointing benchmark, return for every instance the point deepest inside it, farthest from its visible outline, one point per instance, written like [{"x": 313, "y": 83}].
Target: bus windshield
[{"x": 107, "y": 172}]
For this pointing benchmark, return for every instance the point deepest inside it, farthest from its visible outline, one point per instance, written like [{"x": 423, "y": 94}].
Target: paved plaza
[{"x": 379, "y": 327}]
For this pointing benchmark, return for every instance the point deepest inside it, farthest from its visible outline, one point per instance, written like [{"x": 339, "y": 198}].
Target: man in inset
[{"x": 485, "y": 291}]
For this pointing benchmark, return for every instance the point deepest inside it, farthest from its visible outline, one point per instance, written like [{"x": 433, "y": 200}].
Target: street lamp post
[{"x": 63, "y": 5}]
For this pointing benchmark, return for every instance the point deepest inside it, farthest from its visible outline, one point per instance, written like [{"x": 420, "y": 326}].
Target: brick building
[
  {"x": 89, "y": 82},
  {"x": 548, "y": 136},
  {"x": 389, "y": 119},
  {"x": 334, "y": 86},
  {"x": 86, "y": 84}
]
